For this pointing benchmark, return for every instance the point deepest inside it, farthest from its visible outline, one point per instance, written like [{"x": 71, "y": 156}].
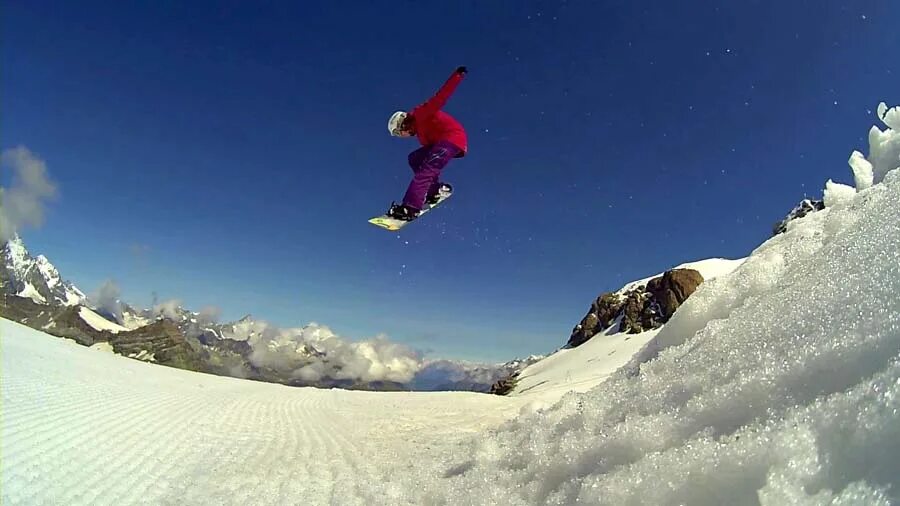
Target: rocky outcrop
[
  {"x": 69, "y": 323},
  {"x": 161, "y": 342},
  {"x": 643, "y": 308},
  {"x": 60, "y": 321},
  {"x": 208, "y": 338},
  {"x": 673, "y": 288},
  {"x": 805, "y": 207},
  {"x": 638, "y": 312},
  {"x": 505, "y": 385},
  {"x": 603, "y": 312}
]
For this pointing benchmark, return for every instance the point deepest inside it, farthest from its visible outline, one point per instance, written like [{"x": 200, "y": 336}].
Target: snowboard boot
[
  {"x": 402, "y": 212},
  {"x": 444, "y": 190}
]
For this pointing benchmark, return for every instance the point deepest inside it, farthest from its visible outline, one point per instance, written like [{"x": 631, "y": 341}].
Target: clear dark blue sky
[{"x": 229, "y": 153}]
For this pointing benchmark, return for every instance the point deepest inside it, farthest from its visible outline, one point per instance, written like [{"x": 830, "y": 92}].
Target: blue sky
[{"x": 229, "y": 153}]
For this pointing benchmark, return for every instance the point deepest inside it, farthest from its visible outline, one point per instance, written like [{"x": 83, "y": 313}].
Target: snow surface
[
  {"x": 18, "y": 256},
  {"x": 584, "y": 367},
  {"x": 777, "y": 383},
  {"x": 81, "y": 427},
  {"x": 134, "y": 321},
  {"x": 30, "y": 292},
  {"x": 143, "y": 355},
  {"x": 48, "y": 271},
  {"x": 98, "y": 322},
  {"x": 579, "y": 369},
  {"x": 709, "y": 269},
  {"x": 102, "y": 346}
]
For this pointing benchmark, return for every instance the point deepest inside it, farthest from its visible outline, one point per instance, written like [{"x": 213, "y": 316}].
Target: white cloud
[
  {"x": 107, "y": 300},
  {"x": 314, "y": 353},
  {"x": 209, "y": 314},
  {"x": 22, "y": 204},
  {"x": 167, "y": 309}
]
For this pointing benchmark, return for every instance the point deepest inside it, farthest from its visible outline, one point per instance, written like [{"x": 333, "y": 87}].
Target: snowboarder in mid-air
[{"x": 442, "y": 139}]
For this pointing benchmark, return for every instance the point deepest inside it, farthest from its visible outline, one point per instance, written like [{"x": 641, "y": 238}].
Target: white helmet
[{"x": 396, "y": 122}]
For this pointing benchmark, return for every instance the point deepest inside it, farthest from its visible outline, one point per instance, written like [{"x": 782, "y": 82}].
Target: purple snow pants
[{"x": 427, "y": 163}]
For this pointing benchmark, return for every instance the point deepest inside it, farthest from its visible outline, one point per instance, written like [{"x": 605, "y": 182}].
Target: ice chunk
[
  {"x": 862, "y": 170},
  {"x": 889, "y": 116},
  {"x": 884, "y": 147},
  {"x": 838, "y": 195}
]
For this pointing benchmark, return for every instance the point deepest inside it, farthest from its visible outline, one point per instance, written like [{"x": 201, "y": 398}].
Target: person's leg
[
  {"x": 428, "y": 174},
  {"x": 417, "y": 157}
]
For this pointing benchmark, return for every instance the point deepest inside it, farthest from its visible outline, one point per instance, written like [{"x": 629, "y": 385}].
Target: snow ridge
[{"x": 778, "y": 383}]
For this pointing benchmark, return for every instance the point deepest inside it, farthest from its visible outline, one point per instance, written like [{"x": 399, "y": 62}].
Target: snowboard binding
[{"x": 402, "y": 212}]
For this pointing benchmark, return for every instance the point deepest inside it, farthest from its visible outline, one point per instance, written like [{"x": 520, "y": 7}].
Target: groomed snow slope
[{"x": 82, "y": 427}]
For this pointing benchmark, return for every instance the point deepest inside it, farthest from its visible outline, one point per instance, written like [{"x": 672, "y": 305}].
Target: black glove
[{"x": 462, "y": 70}]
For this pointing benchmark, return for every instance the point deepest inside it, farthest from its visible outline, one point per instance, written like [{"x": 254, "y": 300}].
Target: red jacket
[{"x": 433, "y": 125}]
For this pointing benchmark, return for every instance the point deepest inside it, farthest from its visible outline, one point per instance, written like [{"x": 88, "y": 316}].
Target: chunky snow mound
[
  {"x": 582, "y": 368},
  {"x": 778, "y": 383}
]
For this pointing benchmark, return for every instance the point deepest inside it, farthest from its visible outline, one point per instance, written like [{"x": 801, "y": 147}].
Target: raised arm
[{"x": 437, "y": 102}]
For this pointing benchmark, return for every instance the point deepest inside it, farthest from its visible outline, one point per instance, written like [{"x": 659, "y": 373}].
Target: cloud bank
[{"x": 314, "y": 353}]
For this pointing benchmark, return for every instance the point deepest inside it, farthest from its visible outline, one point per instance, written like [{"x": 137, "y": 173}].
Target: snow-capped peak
[
  {"x": 15, "y": 256},
  {"x": 48, "y": 270},
  {"x": 35, "y": 278}
]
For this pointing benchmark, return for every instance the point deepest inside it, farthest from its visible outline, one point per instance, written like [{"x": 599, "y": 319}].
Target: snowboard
[{"x": 393, "y": 224}]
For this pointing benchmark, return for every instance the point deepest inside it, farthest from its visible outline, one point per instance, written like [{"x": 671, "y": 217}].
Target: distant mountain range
[{"x": 33, "y": 292}]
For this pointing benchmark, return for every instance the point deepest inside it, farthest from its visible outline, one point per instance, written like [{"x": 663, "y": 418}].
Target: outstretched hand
[{"x": 462, "y": 70}]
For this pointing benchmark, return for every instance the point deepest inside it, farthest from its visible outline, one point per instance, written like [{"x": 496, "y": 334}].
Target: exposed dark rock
[
  {"x": 60, "y": 321},
  {"x": 505, "y": 385},
  {"x": 641, "y": 309},
  {"x": 805, "y": 207},
  {"x": 163, "y": 341},
  {"x": 209, "y": 338},
  {"x": 673, "y": 288},
  {"x": 634, "y": 319},
  {"x": 25, "y": 311},
  {"x": 68, "y": 323},
  {"x": 601, "y": 315}
]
